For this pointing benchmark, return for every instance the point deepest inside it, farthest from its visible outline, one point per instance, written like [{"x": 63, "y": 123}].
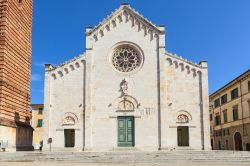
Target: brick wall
[{"x": 15, "y": 59}]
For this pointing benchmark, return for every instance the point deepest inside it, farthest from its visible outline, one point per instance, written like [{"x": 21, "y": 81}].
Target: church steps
[{"x": 128, "y": 157}]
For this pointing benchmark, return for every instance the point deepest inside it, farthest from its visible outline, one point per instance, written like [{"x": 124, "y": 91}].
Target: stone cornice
[
  {"x": 52, "y": 68},
  {"x": 66, "y": 67},
  {"x": 238, "y": 79},
  {"x": 183, "y": 60},
  {"x": 185, "y": 65},
  {"x": 127, "y": 14}
]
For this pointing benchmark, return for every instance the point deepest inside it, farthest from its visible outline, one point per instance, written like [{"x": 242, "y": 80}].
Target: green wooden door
[{"x": 125, "y": 131}]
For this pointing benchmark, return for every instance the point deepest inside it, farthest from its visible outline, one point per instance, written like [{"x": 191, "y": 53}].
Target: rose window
[{"x": 126, "y": 59}]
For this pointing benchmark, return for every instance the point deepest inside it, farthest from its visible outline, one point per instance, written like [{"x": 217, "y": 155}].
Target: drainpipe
[
  {"x": 242, "y": 111},
  {"x": 84, "y": 103},
  {"x": 221, "y": 123},
  {"x": 201, "y": 111},
  {"x": 159, "y": 94},
  {"x": 213, "y": 128}
]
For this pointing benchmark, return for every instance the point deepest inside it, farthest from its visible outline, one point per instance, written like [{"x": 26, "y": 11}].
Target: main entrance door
[
  {"x": 183, "y": 135},
  {"x": 238, "y": 141},
  {"x": 125, "y": 131},
  {"x": 69, "y": 136}
]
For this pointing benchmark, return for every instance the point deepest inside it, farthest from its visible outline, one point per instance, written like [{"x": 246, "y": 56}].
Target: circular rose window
[{"x": 126, "y": 59}]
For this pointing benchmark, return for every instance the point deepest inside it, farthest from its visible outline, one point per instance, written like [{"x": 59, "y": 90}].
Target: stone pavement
[
  {"x": 114, "y": 164},
  {"x": 128, "y": 158}
]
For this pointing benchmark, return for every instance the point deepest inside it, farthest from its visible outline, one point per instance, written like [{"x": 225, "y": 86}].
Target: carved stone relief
[
  {"x": 69, "y": 121},
  {"x": 182, "y": 118}
]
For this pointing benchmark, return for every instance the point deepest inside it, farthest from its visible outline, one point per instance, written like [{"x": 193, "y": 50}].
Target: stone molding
[
  {"x": 66, "y": 67},
  {"x": 125, "y": 14},
  {"x": 186, "y": 66}
]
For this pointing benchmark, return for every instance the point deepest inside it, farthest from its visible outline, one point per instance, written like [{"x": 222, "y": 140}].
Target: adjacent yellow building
[
  {"x": 37, "y": 124},
  {"x": 230, "y": 115}
]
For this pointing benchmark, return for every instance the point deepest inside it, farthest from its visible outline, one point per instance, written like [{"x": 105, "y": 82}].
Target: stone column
[
  {"x": 47, "y": 103},
  {"x": 205, "y": 105},
  {"x": 88, "y": 95},
  {"x": 161, "y": 78}
]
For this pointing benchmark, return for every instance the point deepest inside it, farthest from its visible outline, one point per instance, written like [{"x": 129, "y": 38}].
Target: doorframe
[
  {"x": 187, "y": 137},
  {"x": 241, "y": 141},
  {"x": 64, "y": 132}
]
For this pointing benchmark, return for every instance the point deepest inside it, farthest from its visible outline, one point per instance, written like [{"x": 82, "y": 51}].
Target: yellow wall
[
  {"x": 243, "y": 102},
  {"x": 38, "y": 131}
]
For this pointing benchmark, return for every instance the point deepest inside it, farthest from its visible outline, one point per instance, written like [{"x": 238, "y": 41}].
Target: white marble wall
[
  {"x": 64, "y": 97},
  {"x": 164, "y": 87}
]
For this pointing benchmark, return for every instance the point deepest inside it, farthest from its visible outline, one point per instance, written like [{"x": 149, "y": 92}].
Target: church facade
[{"x": 126, "y": 92}]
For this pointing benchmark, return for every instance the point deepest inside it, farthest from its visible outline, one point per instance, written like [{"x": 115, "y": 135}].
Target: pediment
[{"x": 127, "y": 14}]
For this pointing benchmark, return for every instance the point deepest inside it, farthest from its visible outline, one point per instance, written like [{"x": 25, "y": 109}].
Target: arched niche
[
  {"x": 183, "y": 117},
  {"x": 69, "y": 119},
  {"x": 126, "y": 103}
]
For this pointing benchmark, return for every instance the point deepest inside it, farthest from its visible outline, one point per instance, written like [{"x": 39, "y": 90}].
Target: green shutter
[
  {"x": 234, "y": 93},
  {"x": 40, "y": 111},
  {"x": 39, "y": 123},
  {"x": 235, "y": 114}
]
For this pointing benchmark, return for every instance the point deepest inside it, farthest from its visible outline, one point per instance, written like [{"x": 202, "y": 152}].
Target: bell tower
[{"x": 15, "y": 71}]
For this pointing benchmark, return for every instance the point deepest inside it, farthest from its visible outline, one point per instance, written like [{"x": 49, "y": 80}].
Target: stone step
[{"x": 126, "y": 157}]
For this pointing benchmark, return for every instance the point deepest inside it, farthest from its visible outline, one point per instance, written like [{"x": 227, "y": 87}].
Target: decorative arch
[
  {"x": 183, "y": 117},
  {"x": 126, "y": 103},
  {"x": 194, "y": 72},
  {"x": 60, "y": 73},
  {"x": 71, "y": 67},
  {"x": 119, "y": 18},
  {"x": 199, "y": 73},
  {"x": 101, "y": 33},
  {"x": 144, "y": 30},
  {"x": 66, "y": 70},
  {"x": 77, "y": 65},
  {"x": 54, "y": 76},
  {"x": 113, "y": 23},
  {"x": 125, "y": 13},
  {"x": 132, "y": 19},
  {"x": 170, "y": 62},
  {"x": 176, "y": 64},
  {"x": 181, "y": 66},
  {"x": 107, "y": 27},
  {"x": 150, "y": 31},
  {"x": 95, "y": 37},
  {"x": 238, "y": 141},
  {"x": 69, "y": 119},
  {"x": 188, "y": 69},
  {"x": 138, "y": 25}
]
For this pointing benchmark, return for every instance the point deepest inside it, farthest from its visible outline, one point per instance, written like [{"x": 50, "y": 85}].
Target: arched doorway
[{"x": 237, "y": 141}]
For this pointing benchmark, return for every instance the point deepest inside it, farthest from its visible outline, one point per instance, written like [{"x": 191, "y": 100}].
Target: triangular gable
[{"x": 129, "y": 14}]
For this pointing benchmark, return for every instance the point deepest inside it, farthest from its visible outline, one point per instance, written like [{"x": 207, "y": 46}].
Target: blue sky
[{"x": 214, "y": 30}]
